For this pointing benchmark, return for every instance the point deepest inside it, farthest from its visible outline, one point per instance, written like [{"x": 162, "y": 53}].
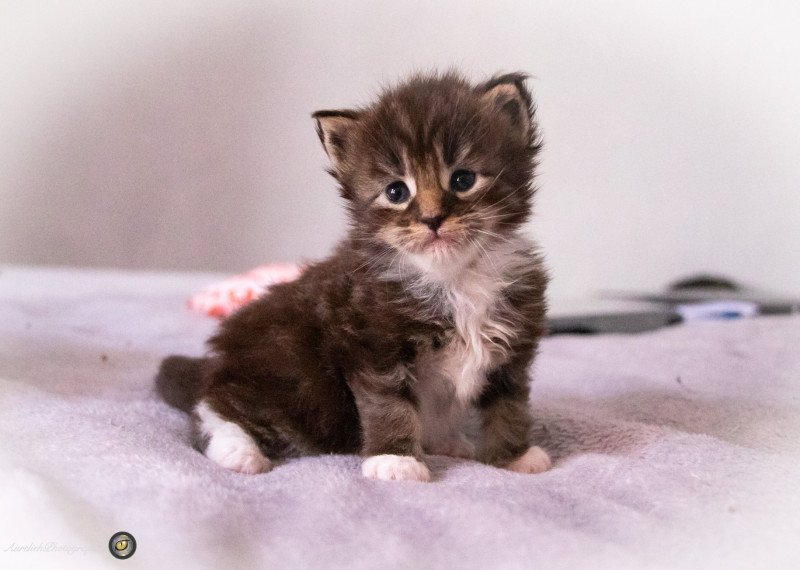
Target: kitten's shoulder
[
  {"x": 519, "y": 256},
  {"x": 527, "y": 283}
]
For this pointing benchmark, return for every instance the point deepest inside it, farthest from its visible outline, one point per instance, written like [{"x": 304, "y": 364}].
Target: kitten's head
[{"x": 436, "y": 168}]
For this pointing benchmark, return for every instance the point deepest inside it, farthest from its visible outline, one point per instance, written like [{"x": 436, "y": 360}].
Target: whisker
[
  {"x": 517, "y": 189},
  {"x": 480, "y": 217},
  {"x": 372, "y": 262},
  {"x": 488, "y": 257},
  {"x": 492, "y": 234}
]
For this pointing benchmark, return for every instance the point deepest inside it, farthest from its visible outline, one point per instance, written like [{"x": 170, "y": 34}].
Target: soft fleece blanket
[{"x": 673, "y": 449}]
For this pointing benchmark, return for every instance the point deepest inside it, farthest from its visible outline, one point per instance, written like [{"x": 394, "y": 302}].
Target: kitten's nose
[{"x": 434, "y": 222}]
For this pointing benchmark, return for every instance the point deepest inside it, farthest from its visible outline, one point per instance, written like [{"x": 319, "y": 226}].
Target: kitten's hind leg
[
  {"x": 535, "y": 460},
  {"x": 227, "y": 444}
]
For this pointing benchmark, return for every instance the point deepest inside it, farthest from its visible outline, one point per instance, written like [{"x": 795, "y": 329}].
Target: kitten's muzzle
[
  {"x": 438, "y": 240},
  {"x": 434, "y": 222}
]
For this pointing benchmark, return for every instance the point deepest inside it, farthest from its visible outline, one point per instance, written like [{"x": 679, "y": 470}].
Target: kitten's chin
[
  {"x": 442, "y": 257},
  {"x": 440, "y": 248},
  {"x": 444, "y": 242}
]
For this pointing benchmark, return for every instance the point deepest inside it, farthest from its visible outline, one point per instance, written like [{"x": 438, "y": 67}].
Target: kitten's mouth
[{"x": 437, "y": 241}]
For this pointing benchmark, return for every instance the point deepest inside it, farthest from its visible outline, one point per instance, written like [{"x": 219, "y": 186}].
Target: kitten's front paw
[
  {"x": 535, "y": 460},
  {"x": 395, "y": 468}
]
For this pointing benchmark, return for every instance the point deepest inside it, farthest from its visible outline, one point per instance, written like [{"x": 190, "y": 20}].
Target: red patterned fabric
[{"x": 224, "y": 297}]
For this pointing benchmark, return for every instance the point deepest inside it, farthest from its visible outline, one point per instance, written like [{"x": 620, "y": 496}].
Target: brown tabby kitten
[{"x": 428, "y": 313}]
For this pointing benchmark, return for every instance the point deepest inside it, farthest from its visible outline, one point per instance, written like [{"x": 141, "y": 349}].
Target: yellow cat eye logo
[{"x": 122, "y": 545}]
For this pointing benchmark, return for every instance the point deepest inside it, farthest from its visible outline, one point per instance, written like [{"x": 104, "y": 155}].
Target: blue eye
[
  {"x": 397, "y": 192},
  {"x": 462, "y": 180}
]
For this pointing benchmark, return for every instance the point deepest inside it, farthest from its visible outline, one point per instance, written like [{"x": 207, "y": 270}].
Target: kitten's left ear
[
  {"x": 334, "y": 129},
  {"x": 509, "y": 94}
]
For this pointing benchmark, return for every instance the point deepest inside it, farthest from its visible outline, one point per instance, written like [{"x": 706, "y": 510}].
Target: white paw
[
  {"x": 237, "y": 455},
  {"x": 228, "y": 444},
  {"x": 535, "y": 460},
  {"x": 395, "y": 468}
]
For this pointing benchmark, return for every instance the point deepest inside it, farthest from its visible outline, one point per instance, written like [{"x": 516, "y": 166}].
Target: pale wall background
[{"x": 175, "y": 134}]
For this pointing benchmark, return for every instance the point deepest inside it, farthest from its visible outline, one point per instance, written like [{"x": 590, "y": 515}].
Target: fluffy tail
[{"x": 180, "y": 381}]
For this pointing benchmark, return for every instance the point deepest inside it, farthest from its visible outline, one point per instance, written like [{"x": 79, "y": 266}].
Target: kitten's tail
[{"x": 180, "y": 381}]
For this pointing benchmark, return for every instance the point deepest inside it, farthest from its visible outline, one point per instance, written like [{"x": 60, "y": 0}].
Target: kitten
[{"x": 428, "y": 313}]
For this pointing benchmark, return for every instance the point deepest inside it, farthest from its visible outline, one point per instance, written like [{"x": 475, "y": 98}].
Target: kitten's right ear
[
  {"x": 334, "y": 129},
  {"x": 508, "y": 94}
]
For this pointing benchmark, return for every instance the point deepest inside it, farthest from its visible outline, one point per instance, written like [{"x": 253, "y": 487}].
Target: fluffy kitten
[{"x": 428, "y": 312}]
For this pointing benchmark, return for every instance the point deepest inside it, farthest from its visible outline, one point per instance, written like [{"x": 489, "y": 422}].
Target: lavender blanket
[{"x": 674, "y": 449}]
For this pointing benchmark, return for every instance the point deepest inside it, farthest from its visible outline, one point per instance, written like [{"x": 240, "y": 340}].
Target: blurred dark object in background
[{"x": 695, "y": 297}]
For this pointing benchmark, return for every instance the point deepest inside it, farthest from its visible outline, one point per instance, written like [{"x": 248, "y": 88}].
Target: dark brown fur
[{"x": 328, "y": 362}]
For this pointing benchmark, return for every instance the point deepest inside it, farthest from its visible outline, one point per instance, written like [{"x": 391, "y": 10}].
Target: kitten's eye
[
  {"x": 397, "y": 192},
  {"x": 462, "y": 180}
]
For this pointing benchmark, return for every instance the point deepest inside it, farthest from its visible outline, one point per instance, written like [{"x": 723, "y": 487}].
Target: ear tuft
[
  {"x": 334, "y": 129},
  {"x": 509, "y": 94}
]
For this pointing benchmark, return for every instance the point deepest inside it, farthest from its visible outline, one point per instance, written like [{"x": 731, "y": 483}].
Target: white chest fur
[
  {"x": 480, "y": 337},
  {"x": 472, "y": 296}
]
